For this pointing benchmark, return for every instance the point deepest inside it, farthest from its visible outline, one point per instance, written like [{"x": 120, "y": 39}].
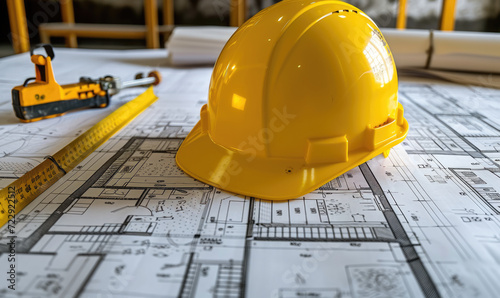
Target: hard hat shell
[{"x": 301, "y": 93}]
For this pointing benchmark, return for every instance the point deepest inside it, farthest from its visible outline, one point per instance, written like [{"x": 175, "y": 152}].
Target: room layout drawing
[{"x": 423, "y": 222}]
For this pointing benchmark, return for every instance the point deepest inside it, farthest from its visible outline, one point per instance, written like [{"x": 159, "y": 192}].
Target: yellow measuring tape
[{"x": 21, "y": 192}]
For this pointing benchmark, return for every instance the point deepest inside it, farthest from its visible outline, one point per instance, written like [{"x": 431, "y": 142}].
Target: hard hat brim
[{"x": 265, "y": 178}]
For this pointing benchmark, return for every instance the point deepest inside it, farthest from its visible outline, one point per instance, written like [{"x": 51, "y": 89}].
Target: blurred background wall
[{"x": 471, "y": 15}]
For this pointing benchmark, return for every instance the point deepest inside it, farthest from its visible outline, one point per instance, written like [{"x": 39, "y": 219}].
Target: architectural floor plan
[{"x": 424, "y": 222}]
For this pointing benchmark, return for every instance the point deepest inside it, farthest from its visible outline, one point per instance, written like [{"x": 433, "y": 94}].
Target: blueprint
[
  {"x": 25, "y": 145},
  {"x": 424, "y": 222}
]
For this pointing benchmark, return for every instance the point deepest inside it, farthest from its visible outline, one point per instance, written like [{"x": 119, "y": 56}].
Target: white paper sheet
[{"x": 424, "y": 222}]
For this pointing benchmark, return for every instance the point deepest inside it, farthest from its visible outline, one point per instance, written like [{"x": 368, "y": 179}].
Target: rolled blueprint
[
  {"x": 197, "y": 45},
  {"x": 445, "y": 50},
  {"x": 455, "y": 56},
  {"x": 409, "y": 47}
]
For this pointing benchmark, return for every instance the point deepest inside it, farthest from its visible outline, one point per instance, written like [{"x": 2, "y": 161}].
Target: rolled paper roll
[
  {"x": 409, "y": 47},
  {"x": 445, "y": 50},
  {"x": 466, "y": 51},
  {"x": 197, "y": 45},
  {"x": 462, "y": 57}
]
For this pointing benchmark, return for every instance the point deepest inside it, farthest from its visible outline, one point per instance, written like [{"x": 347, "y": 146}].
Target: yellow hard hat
[{"x": 301, "y": 93}]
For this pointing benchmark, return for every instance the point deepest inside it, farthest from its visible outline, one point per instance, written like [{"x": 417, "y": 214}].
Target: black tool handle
[{"x": 49, "y": 50}]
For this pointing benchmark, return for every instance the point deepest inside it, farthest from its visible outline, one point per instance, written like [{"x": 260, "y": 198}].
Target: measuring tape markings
[{"x": 41, "y": 177}]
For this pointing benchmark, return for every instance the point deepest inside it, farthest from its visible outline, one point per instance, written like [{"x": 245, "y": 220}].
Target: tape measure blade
[
  {"x": 21, "y": 192},
  {"x": 33, "y": 183},
  {"x": 76, "y": 151}
]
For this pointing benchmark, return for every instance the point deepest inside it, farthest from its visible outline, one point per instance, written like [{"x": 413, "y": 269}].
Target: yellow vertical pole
[
  {"x": 401, "y": 19},
  {"x": 448, "y": 15},
  {"x": 68, "y": 16},
  {"x": 13, "y": 20},
  {"x": 168, "y": 12},
  {"x": 151, "y": 16},
  {"x": 237, "y": 14},
  {"x": 18, "y": 26}
]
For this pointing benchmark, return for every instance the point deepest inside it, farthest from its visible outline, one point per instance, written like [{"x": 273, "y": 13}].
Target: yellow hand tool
[
  {"x": 21, "y": 192},
  {"x": 45, "y": 98}
]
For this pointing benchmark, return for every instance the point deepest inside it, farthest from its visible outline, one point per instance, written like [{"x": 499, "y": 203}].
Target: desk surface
[{"x": 128, "y": 223}]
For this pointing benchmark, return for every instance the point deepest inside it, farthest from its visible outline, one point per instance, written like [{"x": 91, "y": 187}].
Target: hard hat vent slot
[
  {"x": 389, "y": 120},
  {"x": 345, "y": 10},
  {"x": 382, "y": 133}
]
